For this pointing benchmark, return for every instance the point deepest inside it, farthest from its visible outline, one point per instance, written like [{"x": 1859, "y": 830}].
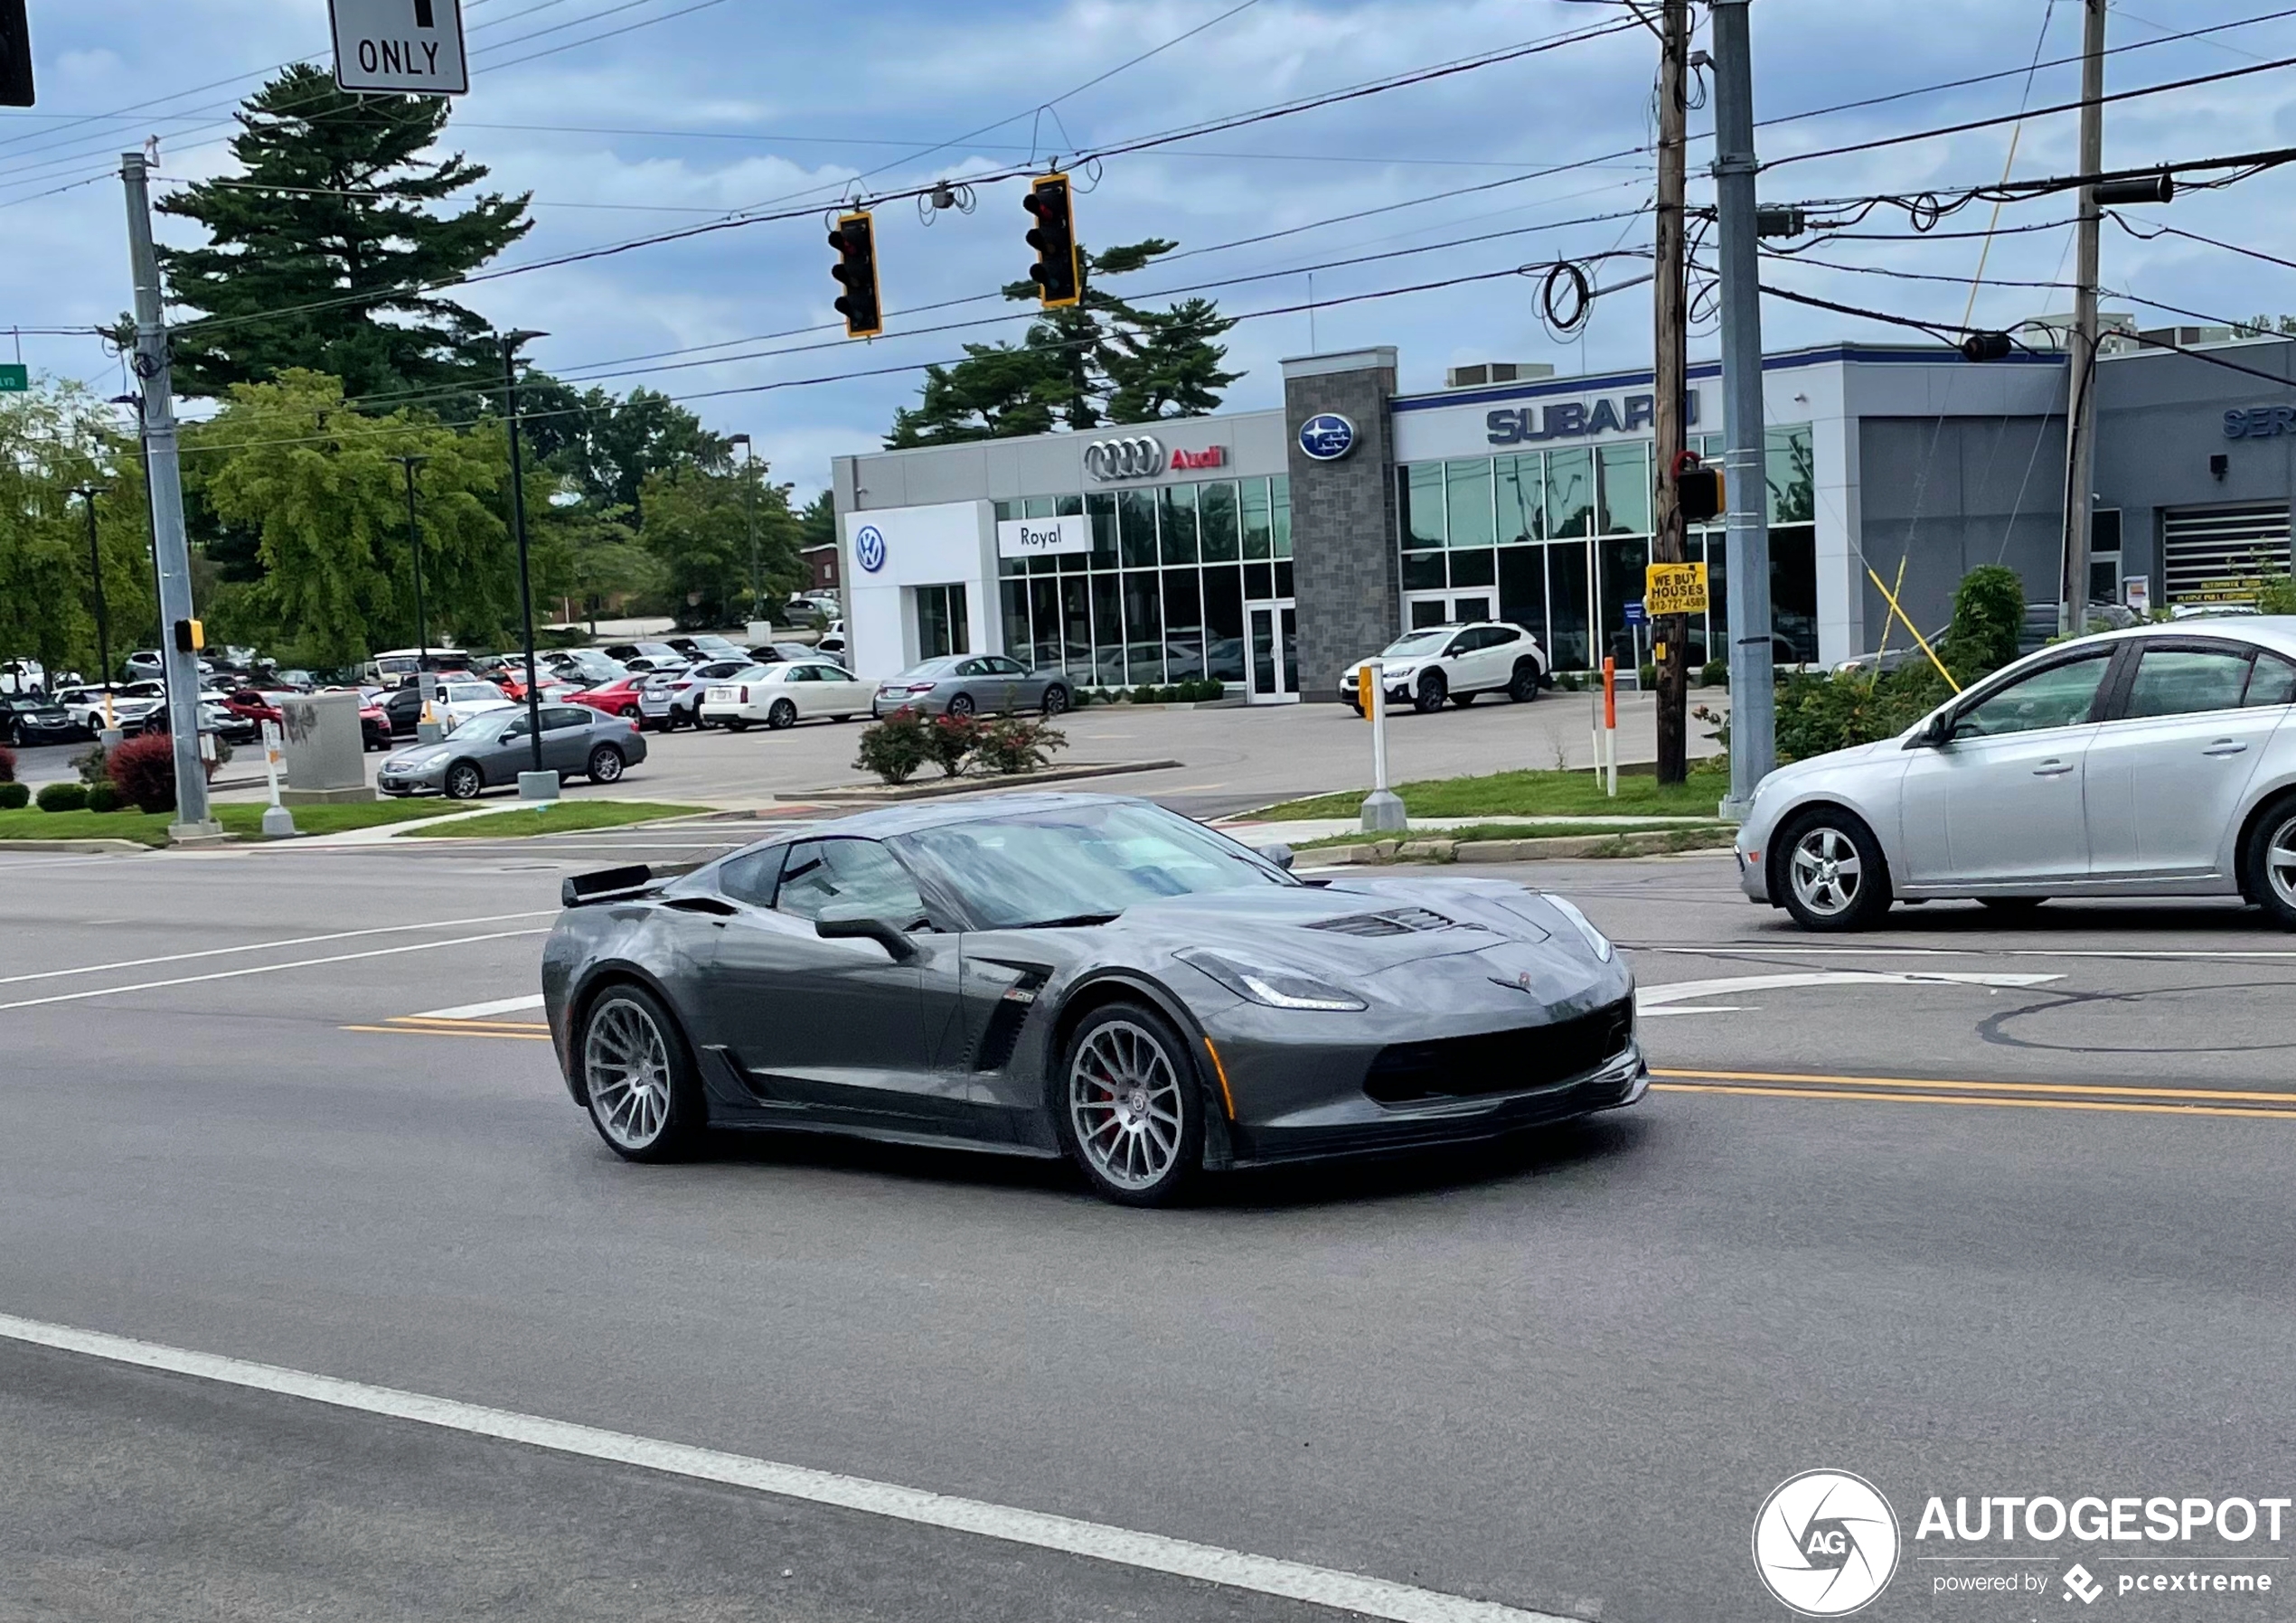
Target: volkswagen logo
[
  {"x": 1326, "y": 437},
  {"x": 1825, "y": 1543},
  {"x": 1139, "y": 457},
  {"x": 868, "y": 548}
]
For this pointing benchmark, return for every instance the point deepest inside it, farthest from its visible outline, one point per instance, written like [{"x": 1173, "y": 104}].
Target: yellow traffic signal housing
[
  {"x": 1058, "y": 272},
  {"x": 855, "y": 240}
]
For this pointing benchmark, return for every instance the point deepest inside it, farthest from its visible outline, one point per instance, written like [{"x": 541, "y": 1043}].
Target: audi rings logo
[
  {"x": 1140, "y": 457},
  {"x": 1825, "y": 1543}
]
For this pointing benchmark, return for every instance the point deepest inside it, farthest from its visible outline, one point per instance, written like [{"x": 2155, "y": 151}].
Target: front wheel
[
  {"x": 1433, "y": 691},
  {"x": 782, "y": 716},
  {"x": 1835, "y": 875},
  {"x": 605, "y": 765},
  {"x": 2272, "y": 863},
  {"x": 463, "y": 782},
  {"x": 1524, "y": 687},
  {"x": 1130, "y": 1106},
  {"x": 637, "y": 1078}
]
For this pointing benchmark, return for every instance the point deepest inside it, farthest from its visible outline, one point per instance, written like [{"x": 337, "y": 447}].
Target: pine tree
[{"x": 318, "y": 250}]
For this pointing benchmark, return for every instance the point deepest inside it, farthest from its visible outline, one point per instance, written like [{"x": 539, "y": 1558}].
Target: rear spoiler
[{"x": 609, "y": 884}]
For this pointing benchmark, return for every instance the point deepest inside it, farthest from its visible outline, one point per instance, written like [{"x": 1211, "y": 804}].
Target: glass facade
[
  {"x": 1164, "y": 594},
  {"x": 1565, "y": 535}
]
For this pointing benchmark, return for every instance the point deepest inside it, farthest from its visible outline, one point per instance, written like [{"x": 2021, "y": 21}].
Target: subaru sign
[
  {"x": 868, "y": 548},
  {"x": 1326, "y": 437}
]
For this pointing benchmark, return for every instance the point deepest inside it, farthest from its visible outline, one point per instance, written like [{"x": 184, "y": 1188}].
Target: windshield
[
  {"x": 487, "y": 724},
  {"x": 1082, "y": 862},
  {"x": 929, "y": 671},
  {"x": 1418, "y": 645}
]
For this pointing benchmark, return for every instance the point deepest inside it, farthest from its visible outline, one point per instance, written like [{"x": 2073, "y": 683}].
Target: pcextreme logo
[{"x": 1825, "y": 1543}]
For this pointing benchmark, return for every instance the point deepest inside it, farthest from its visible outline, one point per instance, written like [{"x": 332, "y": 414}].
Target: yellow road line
[
  {"x": 2036, "y": 1104},
  {"x": 512, "y": 1036},
  {"x": 2287, "y": 1100},
  {"x": 420, "y": 1023}
]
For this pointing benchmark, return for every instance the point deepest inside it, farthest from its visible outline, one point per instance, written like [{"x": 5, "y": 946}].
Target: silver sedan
[
  {"x": 960, "y": 684},
  {"x": 495, "y": 746}
]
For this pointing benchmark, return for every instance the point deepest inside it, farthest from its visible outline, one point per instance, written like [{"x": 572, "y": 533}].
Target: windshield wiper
[{"x": 1073, "y": 919}]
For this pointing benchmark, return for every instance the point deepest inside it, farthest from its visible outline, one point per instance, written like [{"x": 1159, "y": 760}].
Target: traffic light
[
  {"x": 15, "y": 55},
  {"x": 1058, "y": 272},
  {"x": 855, "y": 240},
  {"x": 1699, "y": 489}
]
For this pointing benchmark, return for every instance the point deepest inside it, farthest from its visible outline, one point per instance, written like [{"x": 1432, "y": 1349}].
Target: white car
[
  {"x": 460, "y": 698},
  {"x": 85, "y": 705},
  {"x": 671, "y": 699},
  {"x": 2156, "y": 761},
  {"x": 784, "y": 694},
  {"x": 831, "y": 641},
  {"x": 1456, "y": 662}
]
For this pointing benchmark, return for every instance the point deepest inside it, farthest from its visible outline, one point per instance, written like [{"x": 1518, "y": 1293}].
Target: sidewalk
[{"x": 1300, "y": 831}]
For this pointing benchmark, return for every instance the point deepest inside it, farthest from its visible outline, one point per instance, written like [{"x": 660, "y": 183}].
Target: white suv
[{"x": 1457, "y": 662}]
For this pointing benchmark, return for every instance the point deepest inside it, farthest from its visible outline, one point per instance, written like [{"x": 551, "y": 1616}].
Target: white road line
[
  {"x": 1731, "y": 948},
  {"x": 265, "y": 968},
  {"x": 479, "y": 1011},
  {"x": 265, "y": 946},
  {"x": 1651, "y": 999},
  {"x": 1148, "y": 1552}
]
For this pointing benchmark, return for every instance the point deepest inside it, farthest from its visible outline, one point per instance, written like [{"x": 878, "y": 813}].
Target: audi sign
[{"x": 1141, "y": 456}]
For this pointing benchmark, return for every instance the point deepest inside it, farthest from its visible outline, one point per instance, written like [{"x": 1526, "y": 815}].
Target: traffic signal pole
[
  {"x": 171, "y": 550},
  {"x": 1670, "y": 380},
  {"x": 1753, "y": 676}
]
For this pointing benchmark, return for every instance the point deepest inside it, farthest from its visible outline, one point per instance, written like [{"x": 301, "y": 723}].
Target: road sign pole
[
  {"x": 1609, "y": 724},
  {"x": 1382, "y": 808}
]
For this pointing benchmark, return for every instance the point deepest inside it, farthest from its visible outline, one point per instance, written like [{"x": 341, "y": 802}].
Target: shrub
[
  {"x": 949, "y": 740},
  {"x": 1017, "y": 744},
  {"x": 90, "y": 766},
  {"x": 62, "y": 797},
  {"x": 1646, "y": 677},
  {"x": 14, "y": 796},
  {"x": 895, "y": 747},
  {"x": 1715, "y": 673},
  {"x": 7, "y": 764},
  {"x": 1989, "y": 615},
  {"x": 1083, "y": 697},
  {"x": 1817, "y": 713},
  {"x": 103, "y": 797},
  {"x": 143, "y": 770}
]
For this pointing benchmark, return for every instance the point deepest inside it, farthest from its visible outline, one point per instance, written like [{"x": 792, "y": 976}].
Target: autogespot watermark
[{"x": 1826, "y": 1543}]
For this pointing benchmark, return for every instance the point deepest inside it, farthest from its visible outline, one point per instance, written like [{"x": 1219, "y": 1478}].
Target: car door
[
  {"x": 2170, "y": 770},
  {"x": 1017, "y": 688},
  {"x": 801, "y": 685},
  {"x": 566, "y": 738},
  {"x": 2000, "y": 800},
  {"x": 843, "y": 694},
  {"x": 838, "y": 1028}
]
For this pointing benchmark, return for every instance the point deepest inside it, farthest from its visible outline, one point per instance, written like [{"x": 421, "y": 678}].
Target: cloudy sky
[{"x": 631, "y": 117}]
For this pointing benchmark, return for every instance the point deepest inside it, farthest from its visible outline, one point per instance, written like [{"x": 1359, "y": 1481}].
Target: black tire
[
  {"x": 1162, "y": 1166},
  {"x": 961, "y": 705},
  {"x": 1433, "y": 691},
  {"x": 2268, "y": 864},
  {"x": 1356, "y": 706},
  {"x": 1463, "y": 701},
  {"x": 637, "y": 1075},
  {"x": 737, "y": 724},
  {"x": 1524, "y": 686},
  {"x": 1055, "y": 700},
  {"x": 462, "y": 781},
  {"x": 2013, "y": 906},
  {"x": 607, "y": 764},
  {"x": 632, "y": 713},
  {"x": 781, "y": 715},
  {"x": 701, "y": 724},
  {"x": 1812, "y": 872}
]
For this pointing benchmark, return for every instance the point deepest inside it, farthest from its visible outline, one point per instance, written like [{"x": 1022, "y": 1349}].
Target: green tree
[
  {"x": 817, "y": 523},
  {"x": 317, "y": 251},
  {"x": 697, "y": 529},
  {"x": 1989, "y": 615},
  {"x": 590, "y": 553},
  {"x": 54, "y": 440},
  {"x": 607, "y": 446}
]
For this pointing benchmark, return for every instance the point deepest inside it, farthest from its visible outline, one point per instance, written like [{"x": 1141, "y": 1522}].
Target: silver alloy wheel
[
  {"x": 1125, "y": 1104},
  {"x": 605, "y": 765},
  {"x": 2279, "y": 863},
  {"x": 626, "y": 1068},
  {"x": 782, "y": 715},
  {"x": 1826, "y": 872}
]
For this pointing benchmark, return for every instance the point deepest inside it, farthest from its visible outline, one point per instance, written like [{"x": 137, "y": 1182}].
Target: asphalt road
[{"x": 1958, "y": 1237}]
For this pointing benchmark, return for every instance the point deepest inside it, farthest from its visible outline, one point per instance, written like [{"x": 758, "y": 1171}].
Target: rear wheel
[
  {"x": 2271, "y": 862},
  {"x": 1130, "y": 1106},
  {"x": 645, "y": 1098},
  {"x": 782, "y": 715},
  {"x": 463, "y": 782},
  {"x": 1055, "y": 700},
  {"x": 1524, "y": 685},
  {"x": 1433, "y": 691},
  {"x": 962, "y": 705},
  {"x": 1835, "y": 876},
  {"x": 605, "y": 765}
]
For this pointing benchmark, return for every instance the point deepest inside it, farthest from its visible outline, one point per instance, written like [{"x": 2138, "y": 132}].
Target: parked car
[
  {"x": 584, "y": 667},
  {"x": 832, "y": 640},
  {"x": 771, "y": 653},
  {"x": 655, "y": 653},
  {"x": 217, "y": 717},
  {"x": 707, "y": 645},
  {"x": 618, "y": 698},
  {"x": 394, "y": 665},
  {"x": 802, "y": 612},
  {"x": 2155, "y": 761},
  {"x": 251, "y": 704},
  {"x": 459, "y": 701},
  {"x": 27, "y": 719},
  {"x": 145, "y": 665},
  {"x": 963, "y": 683},
  {"x": 672, "y": 701},
  {"x": 495, "y": 746},
  {"x": 1455, "y": 663},
  {"x": 782, "y": 695},
  {"x": 129, "y": 709},
  {"x": 23, "y": 676}
]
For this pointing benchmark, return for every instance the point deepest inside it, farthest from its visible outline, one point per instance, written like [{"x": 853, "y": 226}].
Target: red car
[
  {"x": 250, "y": 704},
  {"x": 614, "y": 697}
]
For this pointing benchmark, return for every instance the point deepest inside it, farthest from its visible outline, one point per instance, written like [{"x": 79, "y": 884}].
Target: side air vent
[{"x": 1400, "y": 921}]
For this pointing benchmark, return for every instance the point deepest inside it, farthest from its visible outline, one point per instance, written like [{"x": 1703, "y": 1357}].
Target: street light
[
  {"x": 510, "y": 343},
  {"x": 422, "y": 624},
  {"x": 750, "y": 502},
  {"x": 88, "y": 494}
]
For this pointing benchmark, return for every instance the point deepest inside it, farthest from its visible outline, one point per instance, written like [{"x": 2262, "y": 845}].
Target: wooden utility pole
[
  {"x": 2072, "y": 611},
  {"x": 1671, "y": 382}
]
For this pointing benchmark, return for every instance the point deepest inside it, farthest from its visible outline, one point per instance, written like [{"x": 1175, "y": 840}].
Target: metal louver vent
[{"x": 1398, "y": 921}]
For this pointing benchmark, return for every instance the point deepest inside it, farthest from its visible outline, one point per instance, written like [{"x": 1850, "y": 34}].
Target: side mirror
[
  {"x": 1280, "y": 855},
  {"x": 843, "y": 924}
]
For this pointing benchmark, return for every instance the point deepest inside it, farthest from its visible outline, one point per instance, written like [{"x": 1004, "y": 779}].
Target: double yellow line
[
  {"x": 527, "y": 1031},
  {"x": 2019, "y": 1095}
]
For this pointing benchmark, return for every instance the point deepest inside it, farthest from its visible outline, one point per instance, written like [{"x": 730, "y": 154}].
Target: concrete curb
[
  {"x": 1655, "y": 843},
  {"x": 881, "y": 794},
  {"x": 79, "y": 848}
]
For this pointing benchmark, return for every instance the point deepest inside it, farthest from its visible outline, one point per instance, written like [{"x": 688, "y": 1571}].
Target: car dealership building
[{"x": 1269, "y": 550}]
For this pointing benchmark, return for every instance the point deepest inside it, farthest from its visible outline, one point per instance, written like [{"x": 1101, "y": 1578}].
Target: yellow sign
[{"x": 1674, "y": 589}]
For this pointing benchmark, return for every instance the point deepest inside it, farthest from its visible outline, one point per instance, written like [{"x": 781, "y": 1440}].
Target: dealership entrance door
[
  {"x": 1446, "y": 608},
  {"x": 1272, "y": 653}
]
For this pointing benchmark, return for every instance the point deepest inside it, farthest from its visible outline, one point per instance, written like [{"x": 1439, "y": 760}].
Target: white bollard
[
  {"x": 278, "y": 823},
  {"x": 1382, "y": 808}
]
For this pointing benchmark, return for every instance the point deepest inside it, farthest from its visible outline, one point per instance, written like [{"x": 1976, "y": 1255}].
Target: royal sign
[{"x": 1043, "y": 538}]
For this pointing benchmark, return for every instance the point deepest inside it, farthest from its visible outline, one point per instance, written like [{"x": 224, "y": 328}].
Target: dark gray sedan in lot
[
  {"x": 493, "y": 746},
  {"x": 965, "y": 683},
  {"x": 1082, "y": 976}
]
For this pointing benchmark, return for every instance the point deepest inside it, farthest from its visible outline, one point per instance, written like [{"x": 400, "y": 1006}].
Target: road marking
[
  {"x": 516, "y": 1037},
  {"x": 1652, "y": 998},
  {"x": 2286, "y": 1100},
  {"x": 1738, "y": 949},
  {"x": 266, "y": 969},
  {"x": 262, "y": 946},
  {"x": 1120, "y": 1546},
  {"x": 2036, "y": 1104},
  {"x": 479, "y": 1011}
]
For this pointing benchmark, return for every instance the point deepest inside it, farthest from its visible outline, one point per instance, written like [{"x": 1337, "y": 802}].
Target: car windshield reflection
[{"x": 1417, "y": 642}]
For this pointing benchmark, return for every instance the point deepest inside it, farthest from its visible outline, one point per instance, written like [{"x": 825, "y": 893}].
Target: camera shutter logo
[
  {"x": 1326, "y": 437},
  {"x": 1142, "y": 456},
  {"x": 1825, "y": 1543},
  {"x": 868, "y": 548}
]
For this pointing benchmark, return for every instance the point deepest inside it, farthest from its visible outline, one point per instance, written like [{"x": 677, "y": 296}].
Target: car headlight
[
  {"x": 1585, "y": 927},
  {"x": 1272, "y": 987},
  {"x": 1395, "y": 673}
]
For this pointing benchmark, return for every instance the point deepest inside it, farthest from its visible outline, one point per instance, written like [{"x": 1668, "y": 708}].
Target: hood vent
[{"x": 1400, "y": 921}]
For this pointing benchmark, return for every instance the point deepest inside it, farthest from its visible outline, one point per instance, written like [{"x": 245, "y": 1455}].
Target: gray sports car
[{"x": 1077, "y": 975}]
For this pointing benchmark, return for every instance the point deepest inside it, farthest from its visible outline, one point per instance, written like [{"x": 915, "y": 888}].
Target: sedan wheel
[
  {"x": 2272, "y": 863},
  {"x": 1055, "y": 700},
  {"x": 1131, "y": 1106},
  {"x": 463, "y": 782},
  {"x": 962, "y": 705},
  {"x": 605, "y": 765},
  {"x": 1433, "y": 691},
  {"x": 1835, "y": 875},
  {"x": 637, "y": 1078},
  {"x": 782, "y": 715}
]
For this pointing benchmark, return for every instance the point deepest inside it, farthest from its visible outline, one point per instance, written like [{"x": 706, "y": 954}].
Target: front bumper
[{"x": 401, "y": 781}]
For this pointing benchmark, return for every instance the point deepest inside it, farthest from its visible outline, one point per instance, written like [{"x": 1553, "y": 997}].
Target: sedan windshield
[
  {"x": 1082, "y": 864},
  {"x": 930, "y": 671},
  {"x": 1418, "y": 645},
  {"x": 487, "y": 724}
]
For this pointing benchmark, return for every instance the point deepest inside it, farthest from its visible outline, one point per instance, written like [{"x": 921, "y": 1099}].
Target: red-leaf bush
[
  {"x": 143, "y": 770},
  {"x": 7, "y": 764}
]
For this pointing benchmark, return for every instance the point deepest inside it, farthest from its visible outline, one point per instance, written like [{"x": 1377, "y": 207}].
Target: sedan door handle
[
  {"x": 2052, "y": 769},
  {"x": 2226, "y": 746}
]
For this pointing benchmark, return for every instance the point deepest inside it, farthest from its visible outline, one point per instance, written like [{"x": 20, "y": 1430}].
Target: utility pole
[
  {"x": 1753, "y": 675},
  {"x": 749, "y": 503},
  {"x": 1670, "y": 369},
  {"x": 170, "y": 551},
  {"x": 531, "y": 786},
  {"x": 2080, "y": 417},
  {"x": 414, "y": 547},
  {"x": 88, "y": 494}
]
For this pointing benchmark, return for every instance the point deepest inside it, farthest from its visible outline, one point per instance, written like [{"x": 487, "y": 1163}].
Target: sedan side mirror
[
  {"x": 1280, "y": 855},
  {"x": 841, "y": 923}
]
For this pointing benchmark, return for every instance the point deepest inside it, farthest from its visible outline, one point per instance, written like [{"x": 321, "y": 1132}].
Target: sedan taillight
[
  {"x": 745, "y": 695},
  {"x": 920, "y": 687}
]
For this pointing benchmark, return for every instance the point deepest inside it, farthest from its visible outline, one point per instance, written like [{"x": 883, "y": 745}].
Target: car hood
[{"x": 1797, "y": 770}]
